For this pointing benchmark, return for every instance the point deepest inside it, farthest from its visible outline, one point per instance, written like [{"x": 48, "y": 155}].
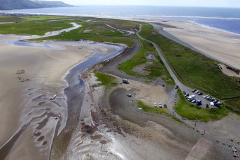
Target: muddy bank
[{"x": 75, "y": 93}]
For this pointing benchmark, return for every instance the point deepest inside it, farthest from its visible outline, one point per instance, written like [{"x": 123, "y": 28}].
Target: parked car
[
  {"x": 194, "y": 90},
  {"x": 165, "y": 106},
  {"x": 125, "y": 81},
  {"x": 199, "y": 102},
  {"x": 184, "y": 93},
  {"x": 194, "y": 101},
  {"x": 160, "y": 105},
  {"x": 199, "y": 93},
  {"x": 155, "y": 104},
  {"x": 129, "y": 95},
  {"x": 176, "y": 87},
  {"x": 207, "y": 106},
  {"x": 205, "y": 96}
]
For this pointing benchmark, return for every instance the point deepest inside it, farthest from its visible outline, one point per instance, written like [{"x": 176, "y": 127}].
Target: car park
[
  {"x": 165, "y": 106},
  {"x": 160, "y": 105}
]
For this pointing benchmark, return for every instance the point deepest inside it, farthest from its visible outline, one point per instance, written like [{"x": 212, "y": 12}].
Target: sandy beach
[
  {"x": 29, "y": 77},
  {"x": 220, "y": 45}
]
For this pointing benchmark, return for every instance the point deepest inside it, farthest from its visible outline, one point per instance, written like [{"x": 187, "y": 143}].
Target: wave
[
  {"x": 199, "y": 17},
  {"x": 218, "y": 29}
]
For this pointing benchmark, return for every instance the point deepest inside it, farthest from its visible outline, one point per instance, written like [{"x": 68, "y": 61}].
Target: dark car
[
  {"x": 125, "y": 81},
  {"x": 199, "y": 102},
  {"x": 184, "y": 93},
  {"x": 129, "y": 95},
  {"x": 194, "y": 90},
  {"x": 165, "y": 106},
  {"x": 207, "y": 106},
  {"x": 199, "y": 93},
  {"x": 176, "y": 87}
]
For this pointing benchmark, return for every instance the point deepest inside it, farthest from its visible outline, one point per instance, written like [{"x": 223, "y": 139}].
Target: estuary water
[{"x": 227, "y": 19}]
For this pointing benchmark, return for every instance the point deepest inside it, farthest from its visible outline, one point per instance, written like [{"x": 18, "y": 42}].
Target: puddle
[
  {"x": 44, "y": 143},
  {"x": 103, "y": 142},
  {"x": 149, "y": 56},
  {"x": 38, "y": 97},
  {"x": 40, "y": 138},
  {"x": 41, "y": 103},
  {"x": 89, "y": 129},
  {"x": 96, "y": 137}
]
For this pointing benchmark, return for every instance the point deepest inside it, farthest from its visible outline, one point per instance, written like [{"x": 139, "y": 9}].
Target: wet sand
[{"x": 29, "y": 77}]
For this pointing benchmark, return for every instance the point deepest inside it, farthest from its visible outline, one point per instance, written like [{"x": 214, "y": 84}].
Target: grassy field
[
  {"x": 32, "y": 28},
  {"x": 155, "y": 70},
  {"x": 93, "y": 35},
  {"x": 101, "y": 28},
  {"x": 191, "y": 111},
  {"x": 43, "y": 18},
  {"x": 10, "y": 19},
  {"x": 106, "y": 80},
  {"x": 194, "y": 69},
  {"x": 156, "y": 110}
]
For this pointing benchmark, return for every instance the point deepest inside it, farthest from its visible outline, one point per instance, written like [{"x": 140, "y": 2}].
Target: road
[{"x": 181, "y": 86}]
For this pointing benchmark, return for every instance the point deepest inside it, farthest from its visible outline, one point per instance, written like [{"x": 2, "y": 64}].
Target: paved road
[{"x": 181, "y": 86}]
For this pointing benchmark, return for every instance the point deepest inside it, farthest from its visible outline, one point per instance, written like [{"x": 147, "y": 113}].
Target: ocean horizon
[{"x": 224, "y": 19}]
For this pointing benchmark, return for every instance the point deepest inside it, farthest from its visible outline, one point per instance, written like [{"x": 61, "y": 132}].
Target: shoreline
[{"x": 131, "y": 18}]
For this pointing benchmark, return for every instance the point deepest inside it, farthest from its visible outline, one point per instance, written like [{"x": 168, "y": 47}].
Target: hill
[{"x": 27, "y": 4}]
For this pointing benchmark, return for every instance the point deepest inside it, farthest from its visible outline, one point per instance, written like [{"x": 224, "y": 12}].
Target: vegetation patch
[
  {"x": 106, "y": 80},
  {"x": 101, "y": 28},
  {"x": 92, "y": 35},
  {"x": 32, "y": 28},
  {"x": 194, "y": 69},
  {"x": 152, "y": 109},
  {"x": 156, "y": 110},
  {"x": 10, "y": 19},
  {"x": 155, "y": 70},
  {"x": 192, "y": 112},
  {"x": 43, "y": 18}
]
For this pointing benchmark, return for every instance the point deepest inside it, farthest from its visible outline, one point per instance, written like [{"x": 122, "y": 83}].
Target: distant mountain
[{"x": 27, "y": 4}]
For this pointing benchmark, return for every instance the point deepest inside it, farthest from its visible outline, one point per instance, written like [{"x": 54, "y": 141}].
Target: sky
[{"x": 199, "y": 3}]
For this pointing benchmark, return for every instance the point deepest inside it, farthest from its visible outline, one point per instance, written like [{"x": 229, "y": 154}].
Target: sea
[{"x": 225, "y": 19}]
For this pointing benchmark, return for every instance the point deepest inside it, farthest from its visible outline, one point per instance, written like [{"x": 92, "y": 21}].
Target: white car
[
  {"x": 234, "y": 149},
  {"x": 160, "y": 105},
  {"x": 206, "y": 96},
  {"x": 155, "y": 104}
]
